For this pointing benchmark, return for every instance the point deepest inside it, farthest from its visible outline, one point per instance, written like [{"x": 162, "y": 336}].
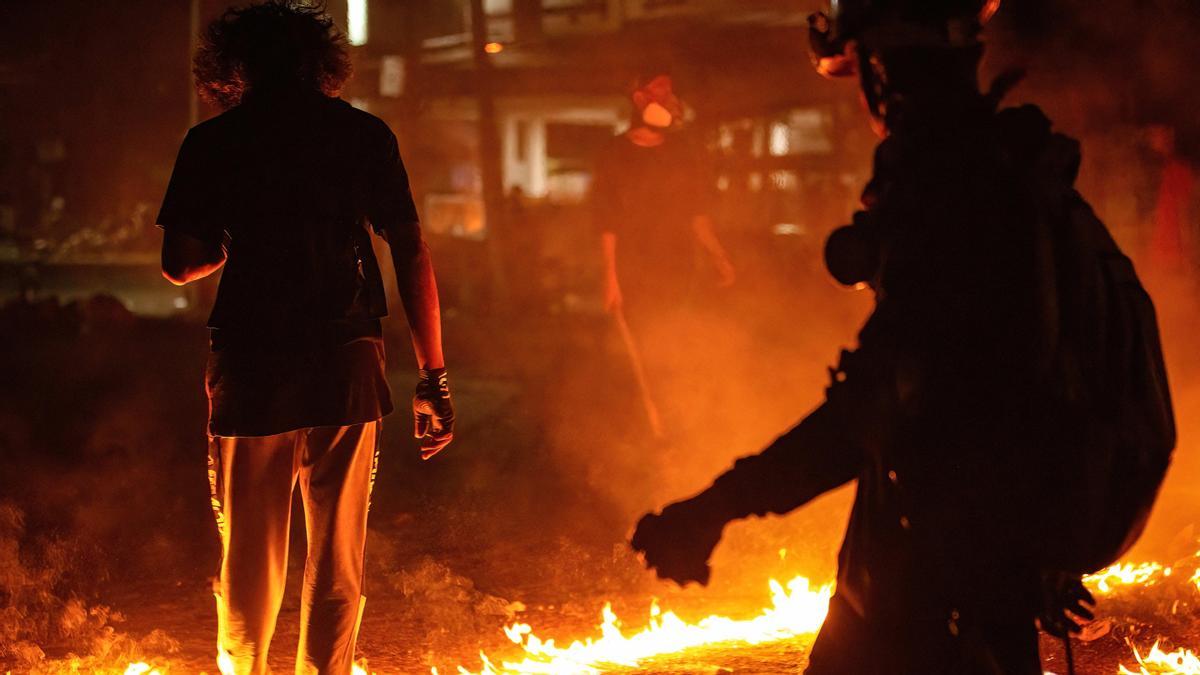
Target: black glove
[
  {"x": 433, "y": 413},
  {"x": 1063, "y": 600},
  {"x": 678, "y": 542}
]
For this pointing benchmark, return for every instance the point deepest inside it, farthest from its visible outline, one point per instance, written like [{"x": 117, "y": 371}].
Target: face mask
[{"x": 656, "y": 115}]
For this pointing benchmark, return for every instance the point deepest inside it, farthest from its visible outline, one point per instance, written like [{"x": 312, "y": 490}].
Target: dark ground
[{"x": 104, "y": 507}]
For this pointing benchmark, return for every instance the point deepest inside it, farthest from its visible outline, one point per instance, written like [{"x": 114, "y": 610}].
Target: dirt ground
[{"x": 107, "y": 549}]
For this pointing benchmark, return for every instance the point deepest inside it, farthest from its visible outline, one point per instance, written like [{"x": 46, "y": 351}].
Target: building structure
[{"x": 557, "y": 76}]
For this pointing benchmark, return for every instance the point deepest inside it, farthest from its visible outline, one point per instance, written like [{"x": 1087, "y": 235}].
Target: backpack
[{"x": 1114, "y": 424}]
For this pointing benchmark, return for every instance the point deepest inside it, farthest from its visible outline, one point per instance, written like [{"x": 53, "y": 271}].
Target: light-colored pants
[{"x": 252, "y": 480}]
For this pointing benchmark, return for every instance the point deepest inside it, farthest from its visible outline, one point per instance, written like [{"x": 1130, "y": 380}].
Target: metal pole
[{"x": 489, "y": 152}]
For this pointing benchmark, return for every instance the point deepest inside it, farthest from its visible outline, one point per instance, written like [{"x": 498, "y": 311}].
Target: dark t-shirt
[
  {"x": 648, "y": 197},
  {"x": 290, "y": 183}
]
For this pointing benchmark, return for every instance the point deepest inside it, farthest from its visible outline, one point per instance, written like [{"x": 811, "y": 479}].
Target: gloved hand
[
  {"x": 1063, "y": 603},
  {"x": 678, "y": 542},
  {"x": 433, "y": 412}
]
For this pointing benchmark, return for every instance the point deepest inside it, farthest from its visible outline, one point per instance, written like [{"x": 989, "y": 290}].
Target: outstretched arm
[{"x": 813, "y": 458}]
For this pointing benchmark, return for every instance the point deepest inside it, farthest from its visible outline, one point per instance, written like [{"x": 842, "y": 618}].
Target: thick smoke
[{"x": 1115, "y": 75}]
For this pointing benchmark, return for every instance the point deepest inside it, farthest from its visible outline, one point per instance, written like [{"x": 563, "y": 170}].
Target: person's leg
[
  {"x": 843, "y": 645},
  {"x": 251, "y": 481},
  {"x": 851, "y": 644},
  {"x": 1001, "y": 649},
  {"x": 336, "y": 476}
]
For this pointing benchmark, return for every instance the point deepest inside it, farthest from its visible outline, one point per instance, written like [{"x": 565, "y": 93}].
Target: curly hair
[{"x": 278, "y": 43}]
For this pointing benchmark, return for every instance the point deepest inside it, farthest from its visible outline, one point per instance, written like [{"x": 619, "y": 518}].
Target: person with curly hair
[{"x": 281, "y": 191}]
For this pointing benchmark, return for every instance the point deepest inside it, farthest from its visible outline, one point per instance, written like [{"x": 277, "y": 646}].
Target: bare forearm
[
  {"x": 182, "y": 276},
  {"x": 702, "y": 228},
  {"x": 186, "y": 259},
  {"x": 418, "y": 291}
]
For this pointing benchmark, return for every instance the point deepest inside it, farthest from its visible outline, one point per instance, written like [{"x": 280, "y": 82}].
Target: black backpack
[{"x": 1115, "y": 426}]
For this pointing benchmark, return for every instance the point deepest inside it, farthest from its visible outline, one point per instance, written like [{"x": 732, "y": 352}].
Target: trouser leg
[
  {"x": 336, "y": 476},
  {"x": 1001, "y": 649},
  {"x": 850, "y": 645},
  {"x": 251, "y": 480},
  {"x": 843, "y": 645}
]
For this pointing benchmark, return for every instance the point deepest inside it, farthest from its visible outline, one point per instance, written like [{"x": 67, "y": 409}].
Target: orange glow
[
  {"x": 796, "y": 610},
  {"x": 493, "y": 48},
  {"x": 1127, "y": 574}
]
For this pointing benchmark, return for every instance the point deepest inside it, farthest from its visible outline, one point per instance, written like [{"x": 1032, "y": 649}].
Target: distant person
[
  {"x": 1175, "y": 227},
  {"x": 282, "y": 190},
  {"x": 1006, "y": 413},
  {"x": 651, "y": 201}
]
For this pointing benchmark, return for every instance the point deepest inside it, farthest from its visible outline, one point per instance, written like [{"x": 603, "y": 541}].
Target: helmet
[{"x": 892, "y": 23}]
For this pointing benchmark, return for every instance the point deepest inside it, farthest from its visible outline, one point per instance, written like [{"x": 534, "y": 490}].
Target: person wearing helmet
[{"x": 940, "y": 413}]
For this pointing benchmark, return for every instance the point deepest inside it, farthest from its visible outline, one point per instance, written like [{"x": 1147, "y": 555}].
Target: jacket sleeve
[
  {"x": 807, "y": 461},
  {"x": 827, "y": 449}
]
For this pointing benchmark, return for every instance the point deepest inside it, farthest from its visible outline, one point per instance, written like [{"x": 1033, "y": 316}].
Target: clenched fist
[{"x": 678, "y": 542}]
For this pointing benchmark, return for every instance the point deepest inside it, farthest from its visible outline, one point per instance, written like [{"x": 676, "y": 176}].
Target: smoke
[
  {"x": 1096, "y": 65},
  {"x": 1108, "y": 74},
  {"x": 101, "y": 428},
  {"x": 735, "y": 369}
]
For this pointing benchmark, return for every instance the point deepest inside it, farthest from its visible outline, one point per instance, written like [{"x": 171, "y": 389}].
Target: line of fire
[{"x": 677, "y": 337}]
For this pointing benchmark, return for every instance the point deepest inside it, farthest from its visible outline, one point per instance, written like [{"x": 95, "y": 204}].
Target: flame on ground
[
  {"x": 796, "y": 609},
  {"x": 1158, "y": 662},
  {"x": 1127, "y": 574},
  {"x": 224, "y": 666}
]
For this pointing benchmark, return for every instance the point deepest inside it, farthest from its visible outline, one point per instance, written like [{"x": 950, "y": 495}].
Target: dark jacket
[{"x": 937, "y": 414}]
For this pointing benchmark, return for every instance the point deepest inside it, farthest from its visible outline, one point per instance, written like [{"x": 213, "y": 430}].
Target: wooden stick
[{"x": 639, "y": 373}]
